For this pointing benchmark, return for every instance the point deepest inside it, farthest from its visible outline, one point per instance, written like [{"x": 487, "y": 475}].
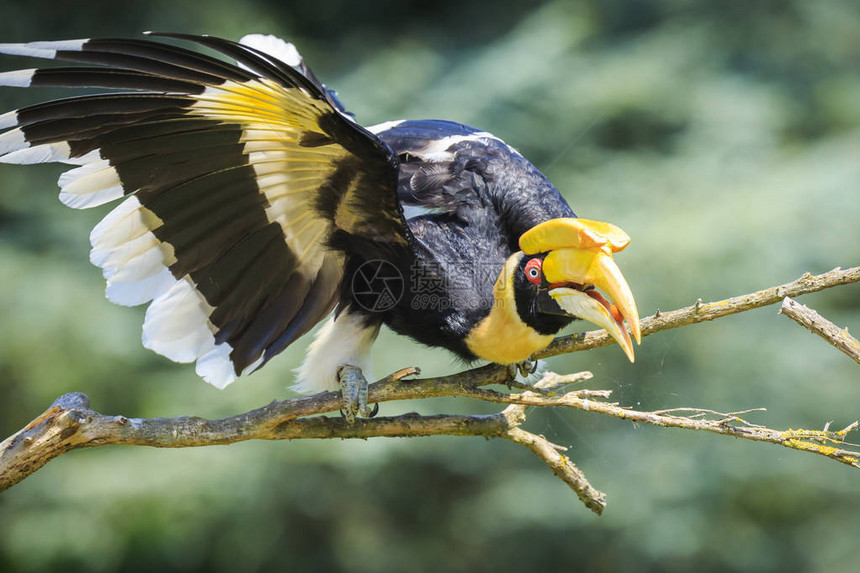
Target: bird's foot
[
  {"x": 525, "y": 368},
  {"x": 353, "y": 386}
]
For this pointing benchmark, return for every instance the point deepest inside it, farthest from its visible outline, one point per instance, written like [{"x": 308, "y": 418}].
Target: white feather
[
  {"x": 12, "y": 141},
  {"x": 92, "y": 198},
  {"x": 254, "y": 365},
  {"x": 177, "y": 324},
  {"x": 384, "y": 126},
  {"x": 119, "y": 226},
  {"x": 27, "y": 50},
  {"x": 145, "y": 265},
  {"x": 89, "y": 157},
  {"x": 130, "y": 256},
  {"x": 345, "y": 340},
  {"x": 90, "y": 185},
  {"x": 274, "y": 46},
  {"x": 215, "y": 366},
  {"x": 142, "y": 291},
  {"x": 46, "y": 50},
  {"x": 58, "y": 45},
  {"x": 100, "y": 168},
  {"x": 45, "y": 153},
  {"x": 176, "y": 314},
  {"x": 9, "y": 119},
  {"x": 116, "y": 255},
  {"x": 14, "y": 148},
  {"x": 190, "y": 347},
  {"x": 437, "y": 150},
  {"x": 17, "y": 78}
]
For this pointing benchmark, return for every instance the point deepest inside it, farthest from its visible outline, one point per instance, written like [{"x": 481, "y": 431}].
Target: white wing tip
[
  {"x": 216, "y": 368},
  {"x": 61, "y": 45},
  {"x": 12, "y": 141},
  {"x": 140, "y": 291},
  {"x": 26, "y": 50},
  {"x": 45, "y": 50},
  {"x": 17, "y": 78},
  {"x": 274, "y": 46},
  {"x": 45, "y": 153},
  {"x": 9, "y": 119},
  {"x": 90, "y": 199}
]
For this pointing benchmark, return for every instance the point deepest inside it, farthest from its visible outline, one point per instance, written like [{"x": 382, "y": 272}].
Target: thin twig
[
  {"x": 731, "y": 424},
  {"x": 561, "y": 466},
  {"x": 814, "y": 322}
]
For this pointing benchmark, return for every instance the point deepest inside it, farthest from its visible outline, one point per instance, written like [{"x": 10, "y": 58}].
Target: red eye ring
[{"x": 533, "y": 271}]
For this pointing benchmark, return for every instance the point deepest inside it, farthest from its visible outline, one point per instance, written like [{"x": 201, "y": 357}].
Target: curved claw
[{"x": 374, "y": 411}]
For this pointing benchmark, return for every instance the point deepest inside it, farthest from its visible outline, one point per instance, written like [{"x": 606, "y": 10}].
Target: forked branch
[{"x": 815, "y": 323}]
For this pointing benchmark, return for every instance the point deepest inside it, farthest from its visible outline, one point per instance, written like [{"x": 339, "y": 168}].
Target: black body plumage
[{"x": 475, "y": 196}]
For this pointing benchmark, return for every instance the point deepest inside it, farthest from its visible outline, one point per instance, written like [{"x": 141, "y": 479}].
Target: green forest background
[{"x": 723, "y": 136}]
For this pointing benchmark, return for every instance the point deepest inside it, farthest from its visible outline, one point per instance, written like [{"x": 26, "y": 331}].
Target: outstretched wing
[{"x": 237, "y": 174}]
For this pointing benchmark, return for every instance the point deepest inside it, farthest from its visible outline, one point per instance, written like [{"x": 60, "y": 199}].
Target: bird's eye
[{"x": 533, "y": 272}]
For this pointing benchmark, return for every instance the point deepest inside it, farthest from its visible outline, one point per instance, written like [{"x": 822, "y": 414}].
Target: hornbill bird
[{"x": 253, "y": 205}]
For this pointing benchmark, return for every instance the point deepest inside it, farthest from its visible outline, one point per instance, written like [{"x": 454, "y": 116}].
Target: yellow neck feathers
[{"x": 502, "y": 336}]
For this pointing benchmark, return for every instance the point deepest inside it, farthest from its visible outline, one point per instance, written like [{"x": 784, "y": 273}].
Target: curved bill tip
[
  {"x": 595, "y": 267},
  {"x": 578, "y": 303},
  {"x": 607, "y": 276}
]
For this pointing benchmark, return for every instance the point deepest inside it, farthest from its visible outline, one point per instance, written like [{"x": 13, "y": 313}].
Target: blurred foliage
[{"x": 723, "y": 136}]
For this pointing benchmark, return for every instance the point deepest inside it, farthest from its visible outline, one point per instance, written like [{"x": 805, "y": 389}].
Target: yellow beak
[{"x": 580, "y": 260}]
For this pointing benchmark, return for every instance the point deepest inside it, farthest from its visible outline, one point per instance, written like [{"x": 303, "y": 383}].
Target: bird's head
[{"x": 565, "y": 271}]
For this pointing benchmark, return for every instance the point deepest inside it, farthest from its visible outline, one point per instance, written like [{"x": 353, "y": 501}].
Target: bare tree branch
[
  {"x": 814, "y": 322},
  {"x": 70, "y": 423}
]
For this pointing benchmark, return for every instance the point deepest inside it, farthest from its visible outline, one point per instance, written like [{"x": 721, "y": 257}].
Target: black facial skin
[{"x": 527, "y": 294}]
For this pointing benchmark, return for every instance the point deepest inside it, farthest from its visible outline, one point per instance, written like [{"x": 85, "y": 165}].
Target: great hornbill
[{"x": 255, "y": 204}]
